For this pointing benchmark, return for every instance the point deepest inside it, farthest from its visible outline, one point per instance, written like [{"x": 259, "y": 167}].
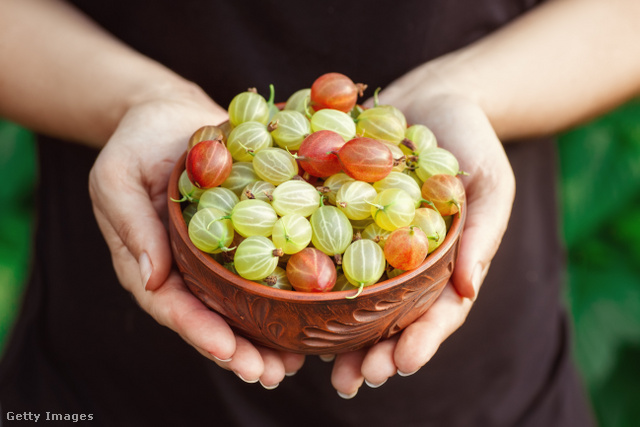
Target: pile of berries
[{"x": 319, "y": 194}]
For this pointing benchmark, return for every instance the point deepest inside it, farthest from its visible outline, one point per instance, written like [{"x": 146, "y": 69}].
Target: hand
[
  {"x": 128, "y": 188},
  {"x": 461, "y": 127}
]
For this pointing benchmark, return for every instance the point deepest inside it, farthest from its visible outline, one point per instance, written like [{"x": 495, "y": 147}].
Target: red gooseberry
[
  {"x": 208, "y": 164},
  {"x": 446, "y": 192},
  {"x": 311, "y": 270},
  {"x": 317, "y": 153},
  {"x": 335, "y": 91},
  {"x": 406, "y": 247},
  {"x": 365, "y": 159}
]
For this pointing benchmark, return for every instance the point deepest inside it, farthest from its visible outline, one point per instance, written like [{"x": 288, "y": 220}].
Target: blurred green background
[
  {"x": 600, "y": 189},
  {"x": 600, "y": 194},
  {"x": 17, "y": 179}
]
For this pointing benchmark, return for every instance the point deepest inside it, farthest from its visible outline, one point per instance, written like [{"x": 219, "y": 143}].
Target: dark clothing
[{"x": 83, "y": 346}]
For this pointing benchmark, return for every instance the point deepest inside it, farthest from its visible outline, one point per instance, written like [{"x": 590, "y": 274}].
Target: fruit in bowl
[{"x": 293, "y": 268}]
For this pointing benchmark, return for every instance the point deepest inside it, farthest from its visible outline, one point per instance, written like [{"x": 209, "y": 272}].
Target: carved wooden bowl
[{"x": 310, "y": 323}]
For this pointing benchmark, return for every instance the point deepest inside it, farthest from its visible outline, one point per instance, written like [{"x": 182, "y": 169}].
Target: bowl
[{"x": 310, "y": 323}]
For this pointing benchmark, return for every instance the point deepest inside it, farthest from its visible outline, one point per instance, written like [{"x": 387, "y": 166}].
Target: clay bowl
[{"x": 310, "y": 323}]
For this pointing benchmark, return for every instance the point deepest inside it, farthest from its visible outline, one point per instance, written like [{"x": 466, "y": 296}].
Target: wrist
[
  {"x": 174, "y": 89},
  {"x": 163, "y": 96},
  {"x": 431, "y": 88}
]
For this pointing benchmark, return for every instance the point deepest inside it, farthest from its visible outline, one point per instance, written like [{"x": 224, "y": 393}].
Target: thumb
[
  {"x": 489, "y": 202},
  {"x": 127, "y": 213}
]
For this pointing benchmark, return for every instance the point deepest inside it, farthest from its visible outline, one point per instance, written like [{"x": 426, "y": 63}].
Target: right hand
[{"x": 461, "y": 127}]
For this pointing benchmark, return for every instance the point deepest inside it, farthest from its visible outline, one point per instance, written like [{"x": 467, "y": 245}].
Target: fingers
[
  {"x": 139, "y": 248},
  {"x": 175, "y": 307},
  {"x": 269, "y": 372},
  {"x": 258, "y": 364},
  {"x": 246, "y": 362},
  {"x": 403, "y": 354},
  {"x": 292, "y": 362},
  {"x": 378, "y": 365},
  {"x": 178, "y": 309},
  {"x": 274, "y": 371},
  {"x": 346, "y": 376},
  {"x": 420, "y": 340},
  {"x": 277, "y": 365},
  {"x": 373, "y": 366}
]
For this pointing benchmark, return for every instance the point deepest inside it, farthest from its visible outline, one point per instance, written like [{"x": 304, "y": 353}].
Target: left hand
[
  {"x": 128, "y": 189},
  {"x": 461, "y": 127}
]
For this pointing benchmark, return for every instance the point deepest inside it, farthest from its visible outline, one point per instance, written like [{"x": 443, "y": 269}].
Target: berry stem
[
  {"x": 307, "y": 107},
  {"x": 272, "y": 95},
  {"x": 224, "y": 248},
  {"x": 357, "y": 293},
  {"x": 429, "y": 203},
  {"x": 184, "y": 199},
  {"x": 286, "y": 234},
  {"x": 218, "y": 219},
  {"x": 376, "y": 101}
]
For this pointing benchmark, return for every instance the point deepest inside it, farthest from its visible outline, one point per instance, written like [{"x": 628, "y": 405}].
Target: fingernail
[
  {"x": 246, "y": 381},
  {"x": 269, "y": 387},
  {"x": 347, "y": 396},
  {"x": 327, "y": 357},
  {"x": 374, "y": 385},
  {"x": 220, "y": 360},
  {"x": 145, "y": 268},
  {"x": 476, "y": 278},
  {"x": 290, "y": 374},
  {"x": 404, "y": 374}
]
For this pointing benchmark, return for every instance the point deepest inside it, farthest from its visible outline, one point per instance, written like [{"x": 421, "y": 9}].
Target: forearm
[
  {"x": 561, "y": 64},
  {"x": 62, "y": 75}
]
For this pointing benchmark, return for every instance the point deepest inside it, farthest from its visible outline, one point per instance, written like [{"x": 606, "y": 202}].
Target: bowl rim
[{"x": 176, "y": 218}]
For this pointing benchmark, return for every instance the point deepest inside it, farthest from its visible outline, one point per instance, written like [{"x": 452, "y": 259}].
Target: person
[{"x": 114, "y": 89}]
